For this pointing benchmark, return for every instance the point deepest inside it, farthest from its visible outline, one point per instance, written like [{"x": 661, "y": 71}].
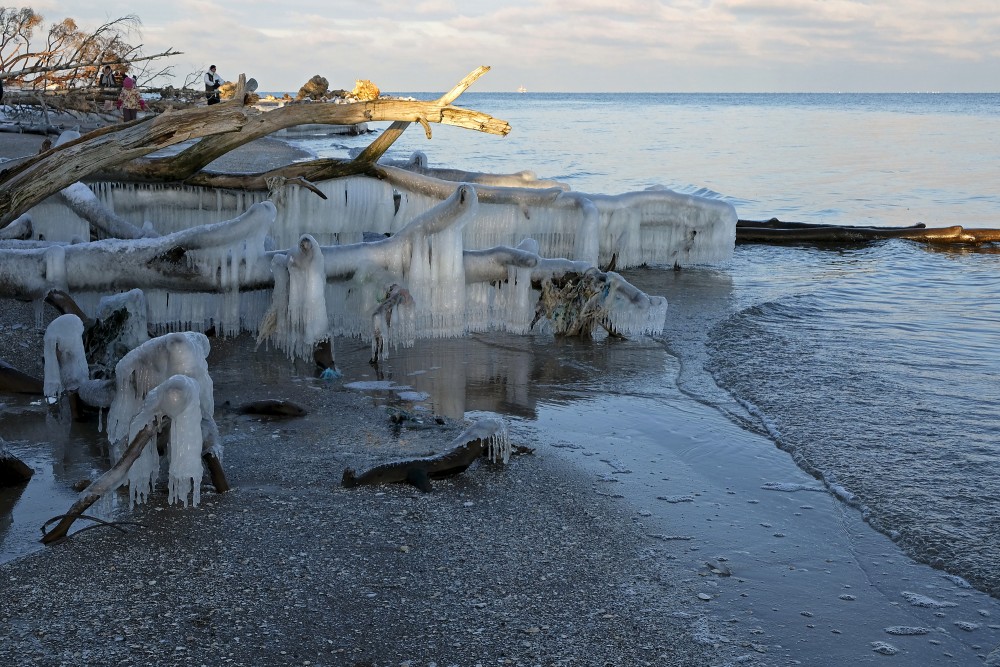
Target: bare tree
[{"x": 62, "y": 58}]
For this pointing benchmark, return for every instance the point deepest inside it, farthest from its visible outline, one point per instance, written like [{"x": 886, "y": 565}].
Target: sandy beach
[{"x": 640, "y": 531}]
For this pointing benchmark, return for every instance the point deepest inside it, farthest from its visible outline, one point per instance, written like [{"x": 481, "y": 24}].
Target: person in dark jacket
[{"x": 212, "y": 84}]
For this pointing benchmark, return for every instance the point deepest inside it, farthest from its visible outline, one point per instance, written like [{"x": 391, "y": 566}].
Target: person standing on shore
[
  {"x": 107, "y": 78},
  {"x": 107, "y": 83},
  {"x": 129, "y": 100},
  {"x": 212, "y": 84}
]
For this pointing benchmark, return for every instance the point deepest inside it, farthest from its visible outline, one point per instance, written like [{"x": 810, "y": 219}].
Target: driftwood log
[
  {"x": 107, "y": 482},
  {"x": 777, "y": 231},
  {"x": 477, "y": 441},
  {"x": 116, "y": 151}
]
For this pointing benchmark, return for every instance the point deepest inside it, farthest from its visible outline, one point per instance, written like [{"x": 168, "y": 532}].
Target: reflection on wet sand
[
  {"x": 61, "y": 452},
  {"x": 494, "y": 373}
]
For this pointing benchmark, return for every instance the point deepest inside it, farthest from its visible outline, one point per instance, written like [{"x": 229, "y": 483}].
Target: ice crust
[
  {"x": 65, "y": 359},
  {"x": 449, "y": 269},
  {"x": 143, "y": 394}
]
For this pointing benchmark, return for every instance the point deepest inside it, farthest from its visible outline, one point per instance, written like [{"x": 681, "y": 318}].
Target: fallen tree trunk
[
  {"x": 776, "y": 231},
  {"x": 147, "y": 263},
  {"x": 222, "y": 128}
]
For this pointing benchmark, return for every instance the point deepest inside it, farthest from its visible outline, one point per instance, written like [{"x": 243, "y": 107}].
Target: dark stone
[{"x": 13, "y": 471}]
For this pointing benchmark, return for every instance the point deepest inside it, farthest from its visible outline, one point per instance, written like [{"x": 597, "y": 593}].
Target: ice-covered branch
[{"x": 211, "y": 258}]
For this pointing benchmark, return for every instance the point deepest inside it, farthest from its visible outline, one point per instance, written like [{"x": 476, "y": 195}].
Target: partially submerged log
[
  {"x": 487, "y": 437},
  {"x": 13, "y": 471},
  {"x": 776, "y": 231}
]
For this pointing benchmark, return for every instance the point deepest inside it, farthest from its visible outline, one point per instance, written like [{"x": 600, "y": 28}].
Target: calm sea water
[{"x": 876, "y": 366}]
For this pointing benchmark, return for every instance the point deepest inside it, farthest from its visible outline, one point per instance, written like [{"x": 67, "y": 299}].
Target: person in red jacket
[{"x": 129, "y": 100}]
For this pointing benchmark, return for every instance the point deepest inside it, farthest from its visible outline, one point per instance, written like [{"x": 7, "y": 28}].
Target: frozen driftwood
[{"x": 487, "y": 437}]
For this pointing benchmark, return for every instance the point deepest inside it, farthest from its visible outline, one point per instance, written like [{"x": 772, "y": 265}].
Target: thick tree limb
[
  {"x": 145, "y": 263},
  {"x": 195, "y": 158},
  {"x": 222, "y": 128},
  {"x": 44, "y": 175}
]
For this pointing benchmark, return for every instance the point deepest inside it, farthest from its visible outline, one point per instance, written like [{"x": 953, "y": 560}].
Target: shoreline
[{"x": 595, "y": 549}]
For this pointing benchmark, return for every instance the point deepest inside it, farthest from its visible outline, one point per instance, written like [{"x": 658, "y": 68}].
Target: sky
[{"x": 574, "y": 45}]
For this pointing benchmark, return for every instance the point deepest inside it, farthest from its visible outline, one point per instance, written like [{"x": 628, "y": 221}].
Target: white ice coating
[
  {"x": 178, "y": 397},
  {"x": 656, "y": 227},
  {"x": 65, "y": 360},
  {"x": 298, "y": 319},
  {"x": 19, "y": 228},
  {"x": 136, "y": 329},
  {"x": 137, "y": 374},
  {"x": 494, "y": 432}
]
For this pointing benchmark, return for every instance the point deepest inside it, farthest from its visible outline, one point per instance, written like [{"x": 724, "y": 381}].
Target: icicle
[{"x": 65, "y": 359}]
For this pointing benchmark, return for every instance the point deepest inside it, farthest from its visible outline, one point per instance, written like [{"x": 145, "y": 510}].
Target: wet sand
[{"x": 645, "y": 529}]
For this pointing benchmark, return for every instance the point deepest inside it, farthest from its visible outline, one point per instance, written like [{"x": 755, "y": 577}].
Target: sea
[{"x": 876, "y": 366}]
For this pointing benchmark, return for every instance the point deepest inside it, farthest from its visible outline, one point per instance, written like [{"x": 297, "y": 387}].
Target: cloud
[{"x": 583, "y": 44}]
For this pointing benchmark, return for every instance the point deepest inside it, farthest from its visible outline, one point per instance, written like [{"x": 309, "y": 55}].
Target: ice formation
[
  {"x": 136, "y": 376},
  {"x": 494, "y": 433},
  {"x": 655, "y": 226},
  {"x": 179, "y": 398},
  {"x": 65, "y": 359},
  {"x": 297, "y": 320},
  {"x": 472, "y": 266},
  {"x": 127, "y": 311}
]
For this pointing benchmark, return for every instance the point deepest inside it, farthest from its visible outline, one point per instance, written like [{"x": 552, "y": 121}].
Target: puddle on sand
[
  {"x": 61, "y": 452},
  {"x": 492, "y": 373}
]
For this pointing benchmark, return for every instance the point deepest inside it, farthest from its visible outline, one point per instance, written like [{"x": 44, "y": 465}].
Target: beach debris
[
  {"x": 676, "y": 499},
  {"x": 577, "y": 305},
  {"x": 13, "y": 471},
  {"x": 884, "y": 648},
  {"x": 906, "y": 631},
  {"x": 485, "y": 438},
  {"x": 777, "y": 231},
  {"x": 716, "y": 567},
  {"x": 272, "y": 407},
  {"x": 13, "y": 381},
  {"x": 968, "y": 626},
  {"x": 791, "y": 487},
  {"x": 919, "y": 600}
]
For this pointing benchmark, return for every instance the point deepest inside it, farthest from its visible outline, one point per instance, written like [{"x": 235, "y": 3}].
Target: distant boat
[{"x": 522, "y": 89}]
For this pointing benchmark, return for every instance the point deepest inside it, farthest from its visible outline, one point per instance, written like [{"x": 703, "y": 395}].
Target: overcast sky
[{"x": 575, "y": 45}]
